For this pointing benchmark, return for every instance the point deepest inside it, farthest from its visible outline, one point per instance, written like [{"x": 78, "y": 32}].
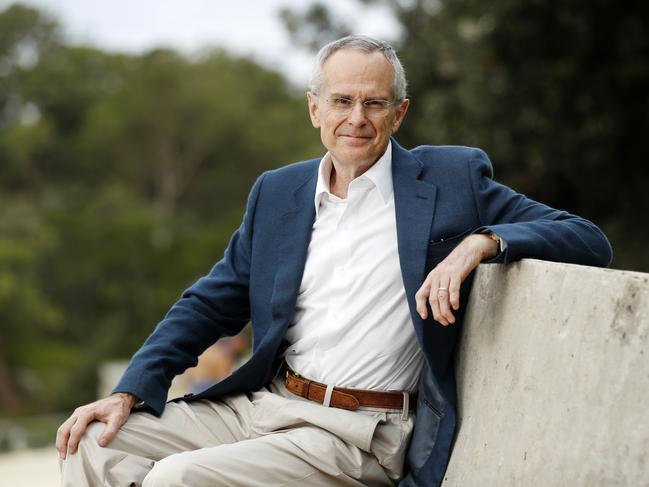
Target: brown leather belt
[{"x": 344, "y": 398}]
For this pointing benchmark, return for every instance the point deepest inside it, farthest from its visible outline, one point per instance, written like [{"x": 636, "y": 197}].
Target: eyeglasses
[{"x": 373, "y": 107}]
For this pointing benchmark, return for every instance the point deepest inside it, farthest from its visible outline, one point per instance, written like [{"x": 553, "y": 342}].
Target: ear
[
  {"x": 312, "y": 101},
  {"x": 400, "y": 115}
]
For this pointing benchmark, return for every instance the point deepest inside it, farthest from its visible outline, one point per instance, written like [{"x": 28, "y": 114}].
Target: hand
[
  {"x": 441, "y": 288},
  {"x": 112, "y": 410}
]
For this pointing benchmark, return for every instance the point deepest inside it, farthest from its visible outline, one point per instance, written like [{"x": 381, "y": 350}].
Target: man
[{"x": 336, "y": 264}]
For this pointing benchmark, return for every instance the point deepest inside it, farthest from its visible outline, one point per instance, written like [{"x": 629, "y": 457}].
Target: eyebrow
[{"x": 343, "y": 95}]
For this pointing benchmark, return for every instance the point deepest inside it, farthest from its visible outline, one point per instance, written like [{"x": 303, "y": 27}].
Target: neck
[{"x": 342, "y": 175}]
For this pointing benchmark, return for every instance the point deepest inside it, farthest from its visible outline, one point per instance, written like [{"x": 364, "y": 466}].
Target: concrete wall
[{"x": 554, "y": 378}]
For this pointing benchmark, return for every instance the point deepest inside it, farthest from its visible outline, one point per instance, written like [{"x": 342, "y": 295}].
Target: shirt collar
[{"x": 380, "y": 173}]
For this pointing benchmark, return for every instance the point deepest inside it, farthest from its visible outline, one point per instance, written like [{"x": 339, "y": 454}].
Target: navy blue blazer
[{"x": 441, "y": 194}]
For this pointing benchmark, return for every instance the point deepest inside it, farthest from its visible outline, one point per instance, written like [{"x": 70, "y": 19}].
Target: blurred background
[{"x": 131, "y": 132}]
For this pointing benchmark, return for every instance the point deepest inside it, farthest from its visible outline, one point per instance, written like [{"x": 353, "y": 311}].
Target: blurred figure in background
[{"x": 217, "y": 362}]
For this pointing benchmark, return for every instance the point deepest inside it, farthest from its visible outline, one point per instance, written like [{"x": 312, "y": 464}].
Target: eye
[
  {"x": 341, "y": 101},
  {"x": 376, "y": 104}
]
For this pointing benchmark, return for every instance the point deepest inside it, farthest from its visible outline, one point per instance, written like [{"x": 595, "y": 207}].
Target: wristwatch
[{"x": 494, "y": 237}]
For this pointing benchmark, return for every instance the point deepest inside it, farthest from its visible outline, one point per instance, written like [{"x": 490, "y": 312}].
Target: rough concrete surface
[{"x": 553, "y": 377}]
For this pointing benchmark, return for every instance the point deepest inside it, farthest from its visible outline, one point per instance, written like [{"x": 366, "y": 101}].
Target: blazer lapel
[
  {"x": 298, "y": 222},
  {"x": 414, "y": 202}
]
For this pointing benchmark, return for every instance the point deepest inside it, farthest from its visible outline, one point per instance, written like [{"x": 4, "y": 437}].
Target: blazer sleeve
[
  {"x": 216, "y": 305},
  {"x": 532, "y": 229}
]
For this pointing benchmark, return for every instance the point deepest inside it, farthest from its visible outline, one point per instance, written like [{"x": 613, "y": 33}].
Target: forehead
[{"x": 354, "y": 72}]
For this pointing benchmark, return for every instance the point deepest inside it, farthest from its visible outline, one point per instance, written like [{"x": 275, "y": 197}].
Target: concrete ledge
[{"x": 553, "y": 373}]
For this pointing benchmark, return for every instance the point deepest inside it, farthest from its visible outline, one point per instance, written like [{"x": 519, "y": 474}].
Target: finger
[
  {"x": 433, "y": 299},
  {"x": 78, "y": 430},
  {"x": 62, "y": 436},
  {"x": 421, "y": 297},
  {"x": 113, "y": 424},
  {"x": 444, "y": 306},
  {"x": 454, "y": 292}
]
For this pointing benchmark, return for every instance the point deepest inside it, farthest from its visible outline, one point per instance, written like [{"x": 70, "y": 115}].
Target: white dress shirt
[{"x": 352, "y": 325}]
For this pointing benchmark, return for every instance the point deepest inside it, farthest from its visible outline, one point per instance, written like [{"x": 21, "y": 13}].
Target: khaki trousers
[{"x": 267, "y": 438}]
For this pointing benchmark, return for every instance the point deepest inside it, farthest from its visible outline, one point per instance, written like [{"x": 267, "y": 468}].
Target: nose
[{"x": 357, "y": 115}]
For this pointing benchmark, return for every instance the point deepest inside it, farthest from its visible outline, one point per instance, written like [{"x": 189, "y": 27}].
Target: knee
[
  {"x": 83, "y": 464},
  {"x": 90, "y": 439}
]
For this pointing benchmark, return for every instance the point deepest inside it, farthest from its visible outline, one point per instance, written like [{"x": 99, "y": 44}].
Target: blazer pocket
[{"x": 439, "y": 249}]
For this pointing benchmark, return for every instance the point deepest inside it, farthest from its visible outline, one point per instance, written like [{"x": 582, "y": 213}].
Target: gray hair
[{"x": 365, "y": 44}]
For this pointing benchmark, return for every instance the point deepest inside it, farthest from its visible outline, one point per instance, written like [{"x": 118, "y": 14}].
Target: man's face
[{"x": 359, "y": 138}]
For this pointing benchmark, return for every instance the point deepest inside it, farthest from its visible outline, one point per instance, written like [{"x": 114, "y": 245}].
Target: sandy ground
[{"x": 30, "y": 468}]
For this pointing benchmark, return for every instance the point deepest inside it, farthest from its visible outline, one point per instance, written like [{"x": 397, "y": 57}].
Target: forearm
[
  {"x": 573, "y": 240},
  {"x": 532, "y": 229},
  {"x": 216, "y": 305}
]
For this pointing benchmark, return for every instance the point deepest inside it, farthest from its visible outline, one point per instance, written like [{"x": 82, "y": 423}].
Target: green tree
[
  {"x": 26, "y": 37},
  {"x": 554, "y": 91},
  {"x": 122, "y": 178}
]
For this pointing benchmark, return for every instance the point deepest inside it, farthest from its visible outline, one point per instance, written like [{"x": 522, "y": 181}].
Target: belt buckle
[{"x": 289, "y": 373}]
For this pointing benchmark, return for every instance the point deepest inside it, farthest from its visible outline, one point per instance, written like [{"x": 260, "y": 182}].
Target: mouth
[{"x": 355, "y": 138}]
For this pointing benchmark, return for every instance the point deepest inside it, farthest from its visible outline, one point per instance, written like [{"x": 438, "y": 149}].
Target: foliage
[
  {"x": 123, "y": 176},
  {"x": 555, "y": 92},
  {"x": 121, "y": 180}
]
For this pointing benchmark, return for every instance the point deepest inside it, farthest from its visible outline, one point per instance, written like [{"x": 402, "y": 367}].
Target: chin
[{"x": 360, "y": 159}]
